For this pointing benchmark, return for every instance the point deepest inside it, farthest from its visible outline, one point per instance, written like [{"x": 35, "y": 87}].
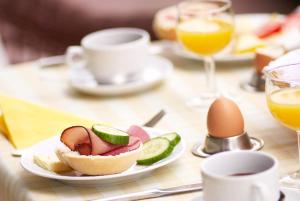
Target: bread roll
[{"x": 98, "y": 165}]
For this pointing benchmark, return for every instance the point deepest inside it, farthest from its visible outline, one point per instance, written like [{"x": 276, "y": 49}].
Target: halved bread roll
[
  {"x": 98, "y": 165},
  {"x": 164, "y": 23}
]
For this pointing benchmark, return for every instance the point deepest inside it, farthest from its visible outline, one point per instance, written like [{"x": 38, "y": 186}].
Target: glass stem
[
  {"x": 210, "y": 70},
  {"x": 298, "y": 139}
]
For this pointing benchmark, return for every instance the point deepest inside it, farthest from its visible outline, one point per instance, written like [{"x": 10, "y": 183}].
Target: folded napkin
[
  {"x": 25, "y": 124},
  {"x": 292, "y": 57}
]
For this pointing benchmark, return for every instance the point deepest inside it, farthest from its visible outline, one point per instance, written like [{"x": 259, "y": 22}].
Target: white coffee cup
[
  {"x": 240, "y": 176},
  {"x": 111, "y": 53}
]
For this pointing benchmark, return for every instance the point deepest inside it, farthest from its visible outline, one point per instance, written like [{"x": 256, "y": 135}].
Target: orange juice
[
  {"x": 285, "y": 106},
  {"x": 204, "y": 36}
]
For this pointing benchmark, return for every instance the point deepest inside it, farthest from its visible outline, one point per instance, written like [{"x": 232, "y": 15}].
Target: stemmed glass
[
  {"x": 283, "y": 97},
  {"x": 204, "y": 28}
]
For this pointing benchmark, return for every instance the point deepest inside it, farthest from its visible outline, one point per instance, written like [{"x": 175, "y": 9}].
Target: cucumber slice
[
  {"x": 174, "y": 138},
  {"x": 155, "y": 150},
  {"x": 111, "y": 135}
]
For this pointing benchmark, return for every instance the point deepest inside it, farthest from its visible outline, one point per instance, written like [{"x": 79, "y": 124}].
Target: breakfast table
[{"x": 49, "y": 87}]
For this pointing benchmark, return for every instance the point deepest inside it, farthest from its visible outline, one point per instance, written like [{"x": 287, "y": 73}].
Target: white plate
[
  {"x": 49, "y": 146},
  {"x": 253, "y": 21},
  {"x": 290, "y": 195},
  {"x": 221, "y": 57},
  {"x": 157, "y": 69}
]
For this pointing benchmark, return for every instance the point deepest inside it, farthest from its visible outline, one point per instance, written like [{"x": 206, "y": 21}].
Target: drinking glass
[
  {"x": 204, "y": 28},
  {"x": 283, "y": 98}
]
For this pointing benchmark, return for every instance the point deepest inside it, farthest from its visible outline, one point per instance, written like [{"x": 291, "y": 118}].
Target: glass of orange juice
[
  {"x": 204, "y": 28},
  {"x": 283, "y": 98}
]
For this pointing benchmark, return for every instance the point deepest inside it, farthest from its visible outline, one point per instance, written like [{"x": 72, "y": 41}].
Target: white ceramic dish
[
  {"x": 136, "y": 171},
  {"x": 253, "y": 21},
  {"x": 158, "y": 68},
  {"x": 290, "y": 195}
]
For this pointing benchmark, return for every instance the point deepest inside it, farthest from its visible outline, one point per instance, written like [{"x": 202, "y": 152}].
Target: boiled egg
[{"x": 224, "y": 119}]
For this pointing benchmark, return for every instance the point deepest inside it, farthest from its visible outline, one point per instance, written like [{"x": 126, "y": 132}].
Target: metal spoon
[
  {"x": 150, "y": 123},
  {"x": 121, "y": 79}
]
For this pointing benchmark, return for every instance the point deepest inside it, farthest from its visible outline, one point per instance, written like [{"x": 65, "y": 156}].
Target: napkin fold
[{"x": 25, "y": 124}]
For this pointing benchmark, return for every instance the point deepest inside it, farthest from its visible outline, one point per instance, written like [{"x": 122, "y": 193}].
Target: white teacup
[
  {"x": 240, "y": 176},
  {"x": 111, "y": 53}
]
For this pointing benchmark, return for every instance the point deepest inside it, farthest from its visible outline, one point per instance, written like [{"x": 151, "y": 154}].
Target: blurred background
[{"x": 38, "y": 28}]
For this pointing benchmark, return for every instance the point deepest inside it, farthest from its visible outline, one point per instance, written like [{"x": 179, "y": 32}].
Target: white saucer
[
  {"x": 136, "y": 171},
  {"x": 155, "y": 72},
  {"x": 290, "y": 195}
]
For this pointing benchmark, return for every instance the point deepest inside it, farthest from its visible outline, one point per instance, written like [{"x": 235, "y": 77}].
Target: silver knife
[{"x": 153, "y": 193}]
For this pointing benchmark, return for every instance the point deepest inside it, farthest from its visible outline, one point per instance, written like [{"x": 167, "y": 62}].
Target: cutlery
[
  {"x": 51, "y": 61},
  {"x": 153, "y": 193},
  {"x": 119, "y": 79},
  {"x": 150, "y": 123},
  {"x": 155, "y": 119},
  {"x": 18, "y": 152}
]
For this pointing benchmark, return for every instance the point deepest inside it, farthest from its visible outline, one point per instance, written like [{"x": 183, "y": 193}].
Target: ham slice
[
  {"x": 100, "y": 146},
  {"x": 133, "y": 144},
  {"x": 74, "y": 136},
  {"x": 84, "y": 148},
  {"x": 86, "y": 142},
  {"x": 139, "y": 132}
]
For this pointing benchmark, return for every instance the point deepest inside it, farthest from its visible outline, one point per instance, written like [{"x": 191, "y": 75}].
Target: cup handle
[
  {"x": 261, "y": 192},
  {"x": 75, "y": 57}
]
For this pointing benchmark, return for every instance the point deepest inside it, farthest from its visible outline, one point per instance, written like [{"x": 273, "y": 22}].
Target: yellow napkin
[{"x": 25, "y": 124}]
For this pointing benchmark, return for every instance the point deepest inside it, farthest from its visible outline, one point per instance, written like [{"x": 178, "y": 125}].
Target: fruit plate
[
  {"x": 247, "y": 23},
  {"x": 136, "y": 171}
]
